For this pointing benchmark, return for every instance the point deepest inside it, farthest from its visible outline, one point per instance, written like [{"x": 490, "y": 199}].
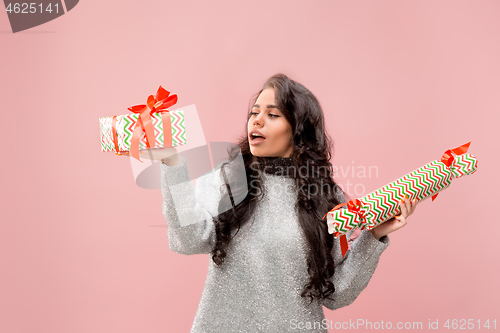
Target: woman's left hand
[{"x": 397, "y": 222}]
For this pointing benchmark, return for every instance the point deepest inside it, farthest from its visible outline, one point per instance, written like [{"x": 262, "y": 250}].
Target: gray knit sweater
[{"x": 257, "y": 288}]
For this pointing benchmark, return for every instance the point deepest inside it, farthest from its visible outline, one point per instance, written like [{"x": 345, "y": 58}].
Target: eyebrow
[{"x": 269, "y": 106}]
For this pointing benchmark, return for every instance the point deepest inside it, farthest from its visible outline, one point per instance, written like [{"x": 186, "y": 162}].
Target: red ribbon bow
[
  {"x": 353, "y": 206},
  {"x": 158, "y": 103},
  {"x": 448, "y": 157}
]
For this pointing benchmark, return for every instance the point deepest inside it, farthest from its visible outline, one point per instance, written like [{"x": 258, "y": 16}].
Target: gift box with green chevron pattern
[
  {"x": 420, "y": 184},
  {"x": 125, "y": 125}
]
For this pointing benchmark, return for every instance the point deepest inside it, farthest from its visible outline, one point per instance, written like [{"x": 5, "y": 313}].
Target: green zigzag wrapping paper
[
  {"x": 125, "y": 127},
  {"x": 420, "y": 184}
]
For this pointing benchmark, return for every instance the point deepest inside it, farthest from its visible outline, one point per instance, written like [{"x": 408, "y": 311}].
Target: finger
[
  {"x": 413, "y": 205},
  {"x": 409, "y": 207},
  {"x": 401, "y": 221},
  {"x": 407, "y": 204},
  {"x": 402, "y": 206}
]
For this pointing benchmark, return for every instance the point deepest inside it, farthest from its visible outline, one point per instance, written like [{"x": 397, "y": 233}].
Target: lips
[
  {"x": 256, "y": 140},
  {"x": 257, "y": 132}
]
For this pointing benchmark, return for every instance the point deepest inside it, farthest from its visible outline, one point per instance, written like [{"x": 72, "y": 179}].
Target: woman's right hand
[{"x": 407, "y": 208}]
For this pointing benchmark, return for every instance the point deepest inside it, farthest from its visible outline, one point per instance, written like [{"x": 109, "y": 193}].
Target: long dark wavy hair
[{"x": 312, "y": 149}]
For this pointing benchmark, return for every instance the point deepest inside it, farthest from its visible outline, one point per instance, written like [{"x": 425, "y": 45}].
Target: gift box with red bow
[
  {"x": 150, "y": 125},
  {"x": 381, "y": 205}
]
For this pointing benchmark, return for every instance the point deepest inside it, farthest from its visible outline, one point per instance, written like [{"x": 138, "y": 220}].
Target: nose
[{"x": 258, "y": 119}]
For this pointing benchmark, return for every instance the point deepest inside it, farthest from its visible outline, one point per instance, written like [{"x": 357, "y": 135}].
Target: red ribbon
[
  {"x": 448, "y": 157},
  {"x": 158, "y": 103},
  {"x": 353, "y": 206},
  {"x": 115, "y": 136}
]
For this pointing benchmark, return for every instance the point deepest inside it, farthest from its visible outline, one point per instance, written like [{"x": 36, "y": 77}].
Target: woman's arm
[
  {"x": 354, "y": 271},
  {"x": 188, "y": 211}
]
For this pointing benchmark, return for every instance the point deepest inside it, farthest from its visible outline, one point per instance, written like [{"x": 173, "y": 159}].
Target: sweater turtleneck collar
[{"x": 278, "y": 166}]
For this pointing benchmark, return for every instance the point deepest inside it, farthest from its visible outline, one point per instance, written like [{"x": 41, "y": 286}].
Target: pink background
[{"x": 83, "y": 249}]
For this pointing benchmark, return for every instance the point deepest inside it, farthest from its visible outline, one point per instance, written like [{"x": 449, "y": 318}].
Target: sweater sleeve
[
  {"x": 189, "y": 211},
  {"x": 354, "y": 271}
]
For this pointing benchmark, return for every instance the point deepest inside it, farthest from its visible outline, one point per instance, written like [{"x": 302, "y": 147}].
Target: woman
[{"x": 273, "y": 263}]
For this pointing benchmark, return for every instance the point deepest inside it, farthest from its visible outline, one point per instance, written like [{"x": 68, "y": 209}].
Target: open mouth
[{"x": 255, "y": 140}]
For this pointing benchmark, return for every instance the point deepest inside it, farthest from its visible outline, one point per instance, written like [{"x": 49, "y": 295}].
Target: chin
[{"x": 256, "y": 152}]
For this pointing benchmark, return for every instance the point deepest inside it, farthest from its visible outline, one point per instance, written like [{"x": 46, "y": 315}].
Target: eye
[{"x": 270, "y": 115}]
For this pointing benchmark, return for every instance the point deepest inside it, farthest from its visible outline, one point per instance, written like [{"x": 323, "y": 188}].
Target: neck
[{"x": 274, "y": 165}]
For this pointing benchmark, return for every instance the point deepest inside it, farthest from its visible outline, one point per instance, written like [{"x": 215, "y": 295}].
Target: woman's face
[{"x": 271, "y": 123}]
